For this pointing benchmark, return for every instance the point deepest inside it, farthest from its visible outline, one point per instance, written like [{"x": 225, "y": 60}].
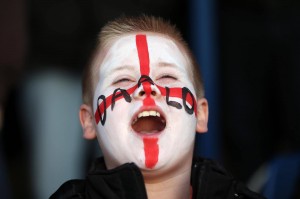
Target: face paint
[
  {"x": 133, "y": 87},
  {"x": 184, "y": 93},
  {"x": 142, "y": 49},
  {"x": 151, "y": 148},
  {"x": 100, "y": 114},
  {"x": 151, "y": 152}
]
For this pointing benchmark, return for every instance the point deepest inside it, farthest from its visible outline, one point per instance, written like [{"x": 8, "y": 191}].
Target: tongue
[{"x": 149, "y": 125}]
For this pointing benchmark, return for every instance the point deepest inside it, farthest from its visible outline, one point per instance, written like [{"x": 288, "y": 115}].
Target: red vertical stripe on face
[
  {"x": 142, "y": 48},
  {"x": 148, "y": 101},
  {"x": 151, "y": 152},
  {"x": 143, "y": 53},
  {"x": 150, "y": 144}
]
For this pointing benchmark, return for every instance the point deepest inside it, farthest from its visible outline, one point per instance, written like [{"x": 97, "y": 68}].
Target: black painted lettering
[
  {"x": 102, "y": 118},
  {"x": 116, "y": 95},
  {"x": 145, "y": 78},
  {"x": 171, "y": 103},
  {"x": 185, "y": 92}
]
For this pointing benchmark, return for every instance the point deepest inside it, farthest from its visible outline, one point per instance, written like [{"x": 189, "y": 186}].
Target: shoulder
[
  {"x": 74, "y": 189},
  {"x": 211, "y": 180},
  {"x": 125, "y": 181}
]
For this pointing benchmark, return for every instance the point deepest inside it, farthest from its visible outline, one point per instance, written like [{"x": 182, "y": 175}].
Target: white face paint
[{"x": 157, "y": 142}]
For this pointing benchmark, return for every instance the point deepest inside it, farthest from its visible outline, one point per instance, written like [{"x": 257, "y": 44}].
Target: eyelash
[
  {"x": 121, "y": 80},
  {"x": 168, "y": 76},
  {"x": 128, "y": 80}
]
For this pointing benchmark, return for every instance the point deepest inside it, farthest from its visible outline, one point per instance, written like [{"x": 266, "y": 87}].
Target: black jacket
[{"x": 208, "y": 180}]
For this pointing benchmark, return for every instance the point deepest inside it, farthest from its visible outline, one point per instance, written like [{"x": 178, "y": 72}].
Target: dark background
[{"x": 258, "y": 70}]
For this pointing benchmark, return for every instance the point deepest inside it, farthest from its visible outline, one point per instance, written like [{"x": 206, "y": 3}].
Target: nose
[{"x": 146, "y": 89}]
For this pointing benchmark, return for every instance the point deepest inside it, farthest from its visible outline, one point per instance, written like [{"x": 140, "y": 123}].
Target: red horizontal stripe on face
[
  {"x": 108, "y": 101},
  {"x": 174, "y": 92},
  {"x": 177, "y": 93}
]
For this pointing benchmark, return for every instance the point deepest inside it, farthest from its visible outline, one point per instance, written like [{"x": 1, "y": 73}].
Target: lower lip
[{"x": 153, "y": 134}]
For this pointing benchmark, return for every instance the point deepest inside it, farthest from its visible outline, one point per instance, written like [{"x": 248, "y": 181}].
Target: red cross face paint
[{"x": 144, "y": 103}]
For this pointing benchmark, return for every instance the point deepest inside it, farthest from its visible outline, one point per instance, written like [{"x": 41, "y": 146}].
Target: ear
[
  {"x": 87, "y": 122},
  {"x": 202, "y": 115}
]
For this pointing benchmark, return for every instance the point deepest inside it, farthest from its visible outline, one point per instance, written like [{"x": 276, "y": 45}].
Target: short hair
[{"x": 128, "y": 25}]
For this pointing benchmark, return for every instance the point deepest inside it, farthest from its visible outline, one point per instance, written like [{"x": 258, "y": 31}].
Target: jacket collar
[{"x": 125, "y": 181}]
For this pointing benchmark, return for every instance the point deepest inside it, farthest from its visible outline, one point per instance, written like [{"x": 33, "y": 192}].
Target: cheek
[
  {"x": 182, "y": 127},
  {"x": 105, "y": 103},
  {"x": 180, "y": 139},
  {"x": 183, "y": 121},
  {"x": 119, "y": 117},
  {"x": 118, "y": 121},
  {"x": 113, "y": 134}
]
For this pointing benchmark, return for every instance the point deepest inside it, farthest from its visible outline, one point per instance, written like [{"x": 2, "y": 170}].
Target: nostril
[
  {"x": 141, "y": 93},
  {"x": 153, "y": 93}
]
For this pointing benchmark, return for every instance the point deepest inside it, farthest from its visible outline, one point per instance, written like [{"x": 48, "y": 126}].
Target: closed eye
[
  {"x": 166, "y": 80},
  {"x": 167, "y": 77},
  {"x": 122, "y": 82}
]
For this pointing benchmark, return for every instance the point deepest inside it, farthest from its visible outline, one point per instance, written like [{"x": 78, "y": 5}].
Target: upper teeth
[{"x": 148, "y": 113}]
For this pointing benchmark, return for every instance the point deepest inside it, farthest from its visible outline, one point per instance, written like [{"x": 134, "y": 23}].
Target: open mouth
[{"x": 149, "y": 122}]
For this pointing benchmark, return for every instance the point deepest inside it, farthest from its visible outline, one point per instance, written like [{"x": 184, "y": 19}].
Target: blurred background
[{"x": 249, "y": 53}]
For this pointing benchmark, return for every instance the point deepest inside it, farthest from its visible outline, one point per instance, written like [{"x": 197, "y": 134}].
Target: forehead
[{"x": 161, "y": 50}]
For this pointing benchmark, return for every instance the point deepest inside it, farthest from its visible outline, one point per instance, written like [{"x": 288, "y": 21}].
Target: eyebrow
[
  {"x": 120, "y": 68},
  {"x": 123, "y": 67},
  {"x": 131, "y": 67},
  {"x": 166, "y": 64}
]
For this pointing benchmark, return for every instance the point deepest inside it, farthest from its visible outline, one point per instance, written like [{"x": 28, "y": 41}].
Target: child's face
[{"x": 152, "y": 120}]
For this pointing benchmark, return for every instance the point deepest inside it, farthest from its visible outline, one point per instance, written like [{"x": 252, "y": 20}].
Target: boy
[{"x": 144, "y": 99}]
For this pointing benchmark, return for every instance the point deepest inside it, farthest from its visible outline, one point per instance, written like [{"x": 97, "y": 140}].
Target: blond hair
[{"x": 129, "y": 25}]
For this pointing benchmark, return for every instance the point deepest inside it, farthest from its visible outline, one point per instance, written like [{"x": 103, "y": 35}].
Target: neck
[
  {"x": 175, "y": 185},
  {"x": 175, "y": 188}
]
